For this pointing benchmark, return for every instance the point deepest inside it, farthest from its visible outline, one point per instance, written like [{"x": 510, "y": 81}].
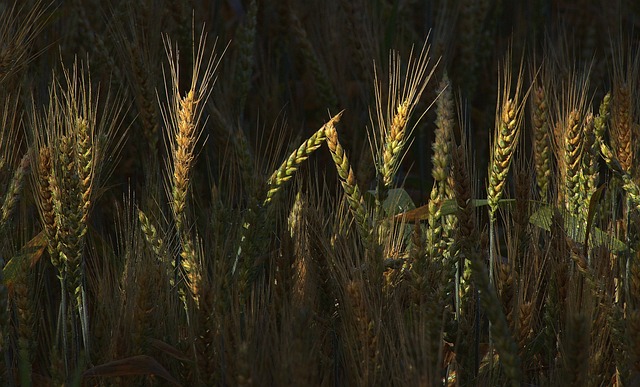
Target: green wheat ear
[
  {"x": 348, "y": 182},
  {"x": 292, "y": 163}
]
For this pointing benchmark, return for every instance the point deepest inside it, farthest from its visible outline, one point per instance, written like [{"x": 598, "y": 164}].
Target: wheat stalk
[{"x": 468, "y": 239}]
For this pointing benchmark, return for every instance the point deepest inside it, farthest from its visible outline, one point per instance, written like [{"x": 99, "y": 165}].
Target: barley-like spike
[
  {"x": 435, "y": 245},
  {"x": 590, "y": 161},
  {"x": 183, "y": 157},
  {"x": 46, "y": 203},
  {"x": 507, "y": 291},
  {"x": 505, "y": 139},
  {"x": 524, "y": 326}
]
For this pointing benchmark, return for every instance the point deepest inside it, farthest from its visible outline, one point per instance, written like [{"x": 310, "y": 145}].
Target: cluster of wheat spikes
[{"x": 339, "y": 197}]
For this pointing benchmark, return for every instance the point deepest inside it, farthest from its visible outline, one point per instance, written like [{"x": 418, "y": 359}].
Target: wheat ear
[
  {"x": 541, "y": 143},
  {"x": 623, "y": 107},
  {"x": 393, "y": 116},
  {"x": 14, "y": 191},
  {"x": 505, "y": 140},
  {"x": 348, "y": 181},
  {"x": 291, "y": 165},
  {"x": 182, "y": 118}
]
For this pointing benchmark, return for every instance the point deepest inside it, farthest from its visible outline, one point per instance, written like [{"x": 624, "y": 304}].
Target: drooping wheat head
[
  {"x": 291, "y": 165},
  {"x": 348, "y": 181}
]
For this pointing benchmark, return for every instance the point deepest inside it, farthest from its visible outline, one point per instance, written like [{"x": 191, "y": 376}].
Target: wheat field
[{"x": 322, "y": 193}]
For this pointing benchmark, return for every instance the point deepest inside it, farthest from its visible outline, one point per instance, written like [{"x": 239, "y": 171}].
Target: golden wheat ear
[
  {"x": 395, "y": 108},
  {"x": 75, "y": 144},
  {"x": 182, "y": 119},
  {"x": 183, "y": 122}
]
